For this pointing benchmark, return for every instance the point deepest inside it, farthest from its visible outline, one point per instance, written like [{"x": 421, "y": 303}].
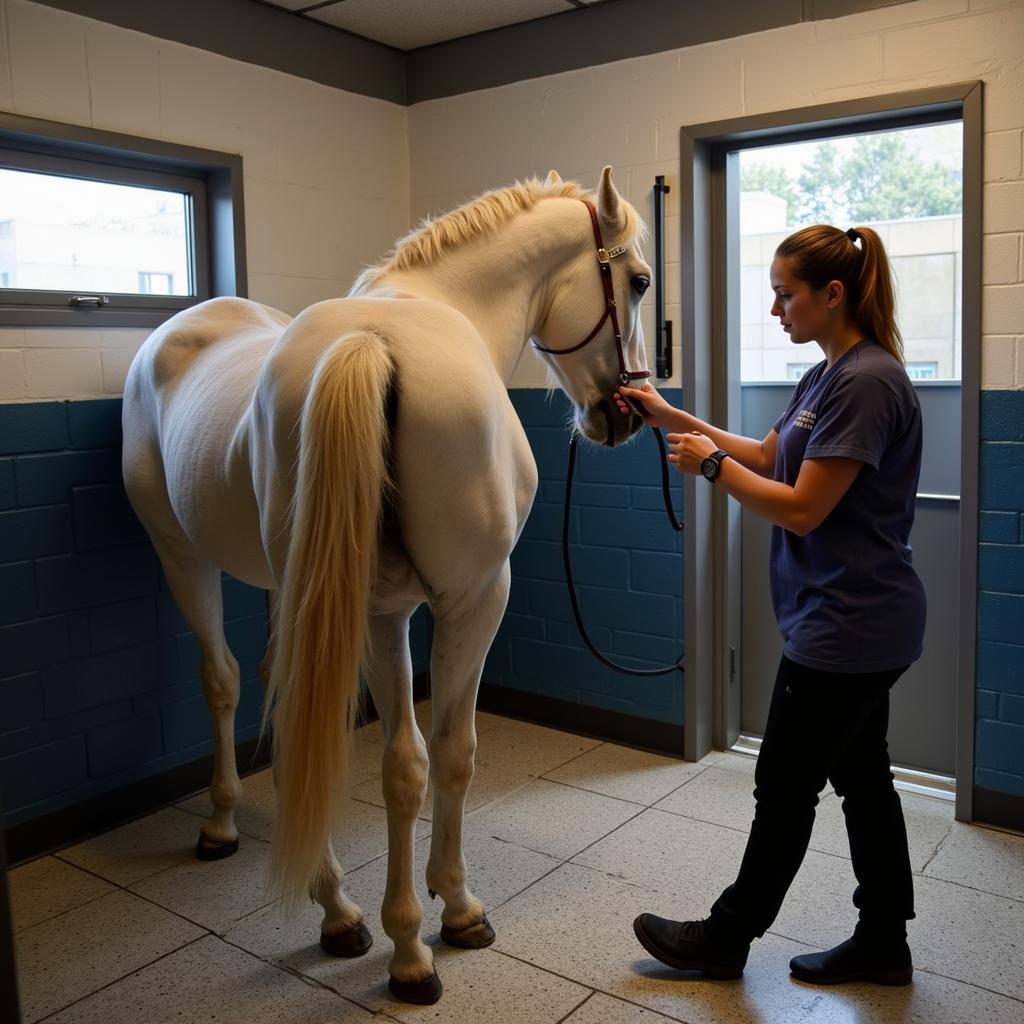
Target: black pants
[{"x": 824, "y": 726}]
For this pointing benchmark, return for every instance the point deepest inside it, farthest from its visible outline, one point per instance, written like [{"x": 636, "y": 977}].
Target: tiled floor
[{"x": 566, "y": 840}]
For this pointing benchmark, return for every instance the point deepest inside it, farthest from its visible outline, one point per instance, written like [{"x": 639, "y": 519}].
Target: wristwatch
[{"x": 712, "y": 465}]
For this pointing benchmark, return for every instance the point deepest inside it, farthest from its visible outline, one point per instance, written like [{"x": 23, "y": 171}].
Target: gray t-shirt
[{"x": 846, "y": 596}]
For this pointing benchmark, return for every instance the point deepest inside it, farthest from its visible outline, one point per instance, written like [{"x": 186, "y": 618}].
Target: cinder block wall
[
  {"x": 331, "y": 189},
  {"x": 100, "y": 675},
  {"x": 999, "y": 751},
  {"x": 627, "y": 565}
]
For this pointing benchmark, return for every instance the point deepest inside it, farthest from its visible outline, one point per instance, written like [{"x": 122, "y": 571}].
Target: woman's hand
[
  {"x": 688, "y": 451},
  {"x": 647, "y": 403}
]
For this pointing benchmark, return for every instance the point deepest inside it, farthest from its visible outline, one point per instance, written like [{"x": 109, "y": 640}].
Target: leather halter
[{"x": 604, "y": 262}]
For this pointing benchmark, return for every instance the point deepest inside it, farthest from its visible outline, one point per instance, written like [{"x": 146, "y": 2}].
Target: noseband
[{"x": 604, "y": 263}]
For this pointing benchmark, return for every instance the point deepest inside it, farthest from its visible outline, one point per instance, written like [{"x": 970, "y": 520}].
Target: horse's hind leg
[
  {"x": 388, "y": 667},
  {"x": 342, "y": 932},
  {"x": 195, "y": 583},
  {"x": 462, "y": 637}
]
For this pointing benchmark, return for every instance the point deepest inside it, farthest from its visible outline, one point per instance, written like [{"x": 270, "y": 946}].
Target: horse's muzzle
[{"x": 602, "y": 423}]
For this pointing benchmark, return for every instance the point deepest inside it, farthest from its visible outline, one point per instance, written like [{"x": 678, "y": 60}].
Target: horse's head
[{"x": 591, "y": 334}]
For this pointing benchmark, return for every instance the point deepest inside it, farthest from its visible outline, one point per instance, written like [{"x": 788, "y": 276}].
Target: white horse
[{"x": 359, "y": 460}]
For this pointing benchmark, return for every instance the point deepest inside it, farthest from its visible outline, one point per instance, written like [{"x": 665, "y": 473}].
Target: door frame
[{"x": 711, "y": 700}]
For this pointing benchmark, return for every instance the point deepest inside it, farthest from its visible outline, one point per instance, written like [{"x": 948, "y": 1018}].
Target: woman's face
[{"x": 805, "y": 313}]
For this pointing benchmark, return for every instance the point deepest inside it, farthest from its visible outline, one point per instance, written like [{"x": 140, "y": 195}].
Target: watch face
[{"x": 709, "y": 467}]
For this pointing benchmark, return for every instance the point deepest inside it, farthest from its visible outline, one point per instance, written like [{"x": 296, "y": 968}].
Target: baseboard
[
  {"x": 1004, "y": 810},
  {"x": 105, "y": 811},
  {"x": 597, "y": 723},
  {"x": 68, "y": 825}
]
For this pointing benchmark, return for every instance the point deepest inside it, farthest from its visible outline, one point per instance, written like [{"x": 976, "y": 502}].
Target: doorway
[
  {"x": 906, "y": 184},
  {"x": 735, "y": 375}
]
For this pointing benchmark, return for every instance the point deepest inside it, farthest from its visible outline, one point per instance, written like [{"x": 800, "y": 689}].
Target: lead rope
[{"x": 677, "y": 525}]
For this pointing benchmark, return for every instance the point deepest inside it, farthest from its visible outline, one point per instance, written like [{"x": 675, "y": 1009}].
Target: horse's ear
[
  {"x": 609, "y": 202},
  {"x": 553, "y": 180}
]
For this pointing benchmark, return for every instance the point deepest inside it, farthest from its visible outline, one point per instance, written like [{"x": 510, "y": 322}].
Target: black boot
[
  {"x": 850, "y": 961},
  {"x": 686, "y": 945}
]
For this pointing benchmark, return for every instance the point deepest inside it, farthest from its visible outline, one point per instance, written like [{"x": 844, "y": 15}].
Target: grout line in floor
[
  {"x": 109, "y": 984},
  {"x": 595, "y": 989},
  {"x": 938, "y": 846},
  {"x": 582, "y": 789},
  {"x": 585, "y": 999},
  {"x": 68, "y": 910},
  {"x": 308, "y": 979}
]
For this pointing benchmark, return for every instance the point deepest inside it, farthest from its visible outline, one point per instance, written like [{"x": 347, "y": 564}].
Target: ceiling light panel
[{"x": 408, "y": 25}]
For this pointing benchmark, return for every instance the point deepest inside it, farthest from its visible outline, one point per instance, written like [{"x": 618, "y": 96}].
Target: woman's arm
[
  {"x": 800, "y": 509},
  {"x": 758, "y": 456}
]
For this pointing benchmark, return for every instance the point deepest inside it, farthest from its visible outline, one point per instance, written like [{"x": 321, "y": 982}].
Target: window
[
  {"x": 907, "y": 184},
  {"x": 922, "y": 371},
  {"x": 794, "y": 371},
  {"x": 156, "y": 283},
  {"x": 108, "y": 230}
]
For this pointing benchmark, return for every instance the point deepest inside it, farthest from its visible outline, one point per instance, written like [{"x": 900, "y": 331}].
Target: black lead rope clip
[{"x": 677, "y": 525}]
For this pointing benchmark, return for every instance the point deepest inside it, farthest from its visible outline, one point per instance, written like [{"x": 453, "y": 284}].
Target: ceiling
[{"x": 411, "y": 24}]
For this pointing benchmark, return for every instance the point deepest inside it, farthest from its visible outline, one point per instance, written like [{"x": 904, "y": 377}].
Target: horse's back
[
  {"x": 464, "y": 473},
  {"x": 186, "y": 449}
]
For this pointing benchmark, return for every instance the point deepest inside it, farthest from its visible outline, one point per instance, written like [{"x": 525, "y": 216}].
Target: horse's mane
[{"x": 433, "y": 236}]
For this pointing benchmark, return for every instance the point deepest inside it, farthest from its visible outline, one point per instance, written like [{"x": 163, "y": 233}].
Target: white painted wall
[
  {"x": 629, "y": 113},
  {"x": 326, "y": 172}
]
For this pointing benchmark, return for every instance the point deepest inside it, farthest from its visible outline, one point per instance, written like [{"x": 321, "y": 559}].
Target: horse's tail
[{"x": 342, "y": 476}]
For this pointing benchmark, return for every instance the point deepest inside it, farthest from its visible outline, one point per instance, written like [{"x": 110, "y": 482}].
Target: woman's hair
[{"x": 822, "y": 253}]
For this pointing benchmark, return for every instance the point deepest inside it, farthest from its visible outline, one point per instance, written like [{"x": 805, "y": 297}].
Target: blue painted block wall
[
  {"x": 99, "y": 675},
  {"x": 628, "y": 566},
  {"x": 99, "y": 680},
  {"x": 999, "y": 717}
]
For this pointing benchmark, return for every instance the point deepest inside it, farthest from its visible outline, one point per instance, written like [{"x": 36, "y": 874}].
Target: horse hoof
[
  {"x": 210, "y": 849},
  {"x": 423, "y": 993},
  {"x": 475, "y": 936},
  {"x": 355, "y": 942}
]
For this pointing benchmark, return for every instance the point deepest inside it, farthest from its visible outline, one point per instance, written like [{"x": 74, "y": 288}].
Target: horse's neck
[{"x": 499, "y": 282}]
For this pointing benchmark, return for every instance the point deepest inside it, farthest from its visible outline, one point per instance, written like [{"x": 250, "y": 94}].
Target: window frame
[{"x": 212, "y": 182}]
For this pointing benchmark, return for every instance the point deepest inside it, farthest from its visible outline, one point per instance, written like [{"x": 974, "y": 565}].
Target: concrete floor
[{"x": 567, "y": 839}]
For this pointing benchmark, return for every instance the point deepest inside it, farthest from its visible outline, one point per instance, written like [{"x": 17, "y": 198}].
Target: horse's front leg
[
  {"x": 462, "y": 638},
  {"x": 388, "y": 667}
]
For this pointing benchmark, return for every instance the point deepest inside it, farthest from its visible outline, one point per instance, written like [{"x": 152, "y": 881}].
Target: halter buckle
[{"x": 607, "y": 255}]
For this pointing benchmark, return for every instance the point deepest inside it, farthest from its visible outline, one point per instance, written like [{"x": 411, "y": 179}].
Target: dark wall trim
[
  {"x": 260, "y": 34},
  {"x": 579, "y": 39},
  {"x": 642, "y": 733},
  {"x": 970, "y": 452},
  {"x": 1005, "y": 810},
  {"x": 8, "y": 969},
  {"x": 69, "y": 825},
  {"x": 108, "y": 810}
]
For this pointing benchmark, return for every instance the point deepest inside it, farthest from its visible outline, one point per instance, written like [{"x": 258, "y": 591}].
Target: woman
[{"x": 837, "y": 476}]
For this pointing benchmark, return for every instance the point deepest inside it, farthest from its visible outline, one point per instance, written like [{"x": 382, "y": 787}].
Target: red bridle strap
[{"x": 604, "y": 262}]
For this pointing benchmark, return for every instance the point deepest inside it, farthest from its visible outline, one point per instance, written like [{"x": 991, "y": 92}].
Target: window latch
[{"x": 89, "y": 300}]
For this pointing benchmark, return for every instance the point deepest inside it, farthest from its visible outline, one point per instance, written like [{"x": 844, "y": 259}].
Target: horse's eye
[{"x": 641, "y": 283}]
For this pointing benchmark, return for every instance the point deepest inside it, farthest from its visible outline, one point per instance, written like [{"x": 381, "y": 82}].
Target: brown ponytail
[{"x": 822, "y": 253}]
